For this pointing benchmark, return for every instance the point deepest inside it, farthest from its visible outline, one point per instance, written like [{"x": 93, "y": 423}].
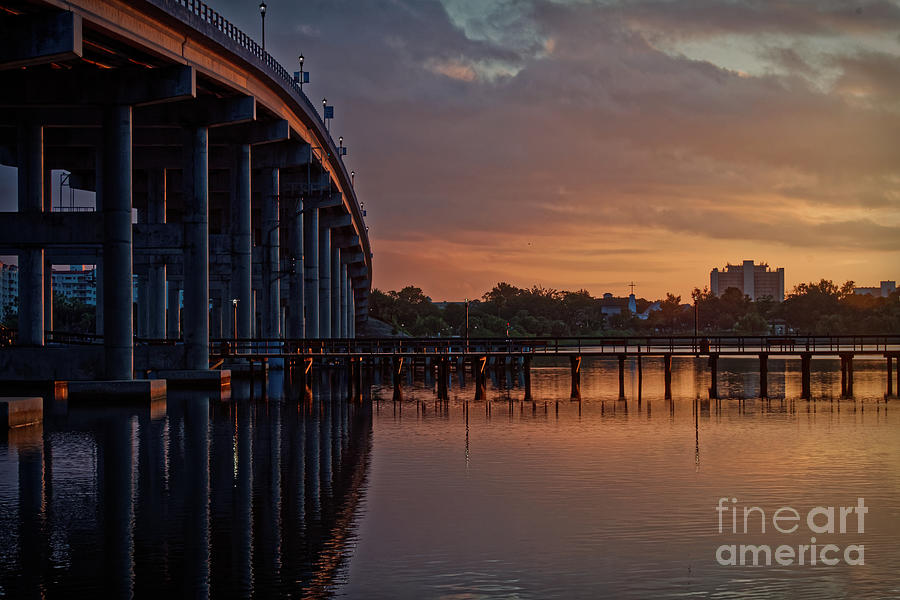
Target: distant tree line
[{"x": 811, "y": 308}]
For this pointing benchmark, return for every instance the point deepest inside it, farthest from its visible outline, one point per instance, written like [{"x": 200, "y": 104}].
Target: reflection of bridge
[
  {"x": 242, "y": 201},
  {"x": 202, "y": 499},
  {"x": 443, "y": 354}
]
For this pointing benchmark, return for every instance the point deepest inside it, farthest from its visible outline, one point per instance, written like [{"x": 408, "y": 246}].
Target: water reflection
[
  {"x": 288, "y": 488},
  {"x": 213, "y": 496}
]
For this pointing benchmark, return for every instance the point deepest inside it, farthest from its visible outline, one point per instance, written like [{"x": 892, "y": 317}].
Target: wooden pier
[{"x": 441, "y": 356}]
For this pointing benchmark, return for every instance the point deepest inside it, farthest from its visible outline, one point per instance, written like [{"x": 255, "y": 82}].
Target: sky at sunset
[{"x": 589, "y": 144}]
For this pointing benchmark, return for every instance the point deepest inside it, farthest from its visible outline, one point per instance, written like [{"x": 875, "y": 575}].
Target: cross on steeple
[{"x": 631, "y": 285}]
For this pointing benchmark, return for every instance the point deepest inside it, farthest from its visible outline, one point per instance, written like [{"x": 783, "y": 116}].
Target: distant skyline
[{"x": 587, "y": 145}]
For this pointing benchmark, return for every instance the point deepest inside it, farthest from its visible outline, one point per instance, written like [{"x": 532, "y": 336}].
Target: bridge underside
[{"x": 215, "y": 186}]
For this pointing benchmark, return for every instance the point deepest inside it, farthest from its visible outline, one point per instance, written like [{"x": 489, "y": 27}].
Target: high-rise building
[
  {"x": 756, "y": 281},
  {"x": 78, "y": 283},
  {"x": 9, "y": 287}
]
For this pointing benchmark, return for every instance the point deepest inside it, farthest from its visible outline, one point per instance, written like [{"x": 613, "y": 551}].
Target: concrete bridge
[{"x": 214, "y": 175}]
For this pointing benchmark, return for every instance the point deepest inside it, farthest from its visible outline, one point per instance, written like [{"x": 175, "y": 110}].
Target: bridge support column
[
  {"x": 336, "y": 331},
  {"x": 31, "y": 262},
  {"x": 345, "y": 329},
  {"x": 271, "y": 285},
  {"x": 667, "y": 376},
  {"x": 713, "y": 376},
  {"x": 621, "y": 376},
  {"x": 48, "y": 294},
  {"x": 763, "y": 375},
  {"x": 196, "y": 249},
  {"x": 805, "y": 359},
  {"x": 311, "y": 270},
  {"x": 156, "y": 213},
  {"x": 296, "y": 283},
  {"x": 575, "y": 370},
  {"x": 117, "y": 246},
  {"x": 173, "y": 310},
  {"x": 241, "y": 244},
  {"x": 325, "y": 282}
]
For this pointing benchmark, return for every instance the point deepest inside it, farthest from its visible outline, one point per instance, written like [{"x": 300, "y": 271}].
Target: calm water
[{"x": 240, "y": 496}]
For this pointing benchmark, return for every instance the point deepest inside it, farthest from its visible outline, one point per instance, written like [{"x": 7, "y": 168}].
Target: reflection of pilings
[
  {"x": 325, "y": 441},
  {"x": 267, "y": 499},
  {"x": 116, "y": 482},
  {"x": 243, "y": 552},
  {"x": 714, "y": 376},
  {"x": 31, "y": 512},
  {"x": 293, "y": 497},
  {"x": 890, "y": 379},
  {"x": 763, "y": 375},
  {"x": 196, "y": 492},
  {"x": 640, "y": 370},
  {"x": 151, "y": 498},
  {"x": 575, "y": 371},
  {"x": 311, "y": 426}
]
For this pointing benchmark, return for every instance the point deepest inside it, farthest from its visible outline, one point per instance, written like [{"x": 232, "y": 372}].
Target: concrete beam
[
  {"x": 40, "y": 39},
  {"x": 255, "y": 133},
  {"x": 335, "y": 221},
  {"x": 281, "y": 155},
  {"x": 159, "y": 237},
  {"x": 343, "y": 240},
  {"x": 25, "y": 230},
  {"x": 115, "y": 86},
  {"x": 201, "y": 112}
]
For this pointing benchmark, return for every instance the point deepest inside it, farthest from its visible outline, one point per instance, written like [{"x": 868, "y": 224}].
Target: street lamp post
[
  {"x": 300, "y": 58},
  {"x": 262, "y": 16},
  {"x": 352, "y": 177}
]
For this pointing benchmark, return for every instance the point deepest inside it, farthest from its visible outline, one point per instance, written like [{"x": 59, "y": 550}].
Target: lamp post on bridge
[
  {"x": 262, "y": 16},
  {"x": 300, "y": 58},
  {"x": 234, "y": 303}
]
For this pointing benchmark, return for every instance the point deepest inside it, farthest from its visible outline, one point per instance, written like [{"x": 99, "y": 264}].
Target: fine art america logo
[{"x": 820, "y": 520}]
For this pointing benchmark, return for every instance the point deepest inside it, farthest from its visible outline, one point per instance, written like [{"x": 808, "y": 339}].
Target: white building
[
  {"x": 884, "y": 290},
  {"x": 9, "y": 287}
]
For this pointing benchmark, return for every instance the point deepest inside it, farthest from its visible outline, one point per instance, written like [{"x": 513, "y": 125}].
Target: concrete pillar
[
  {"x": 98, "y": 290},
  {"x": 336, "y": 330},
  {"x": 48, "y": 295},
  {"x": 196, "y": 249},
  {"x": 241, "y": 283},
  {"x": 621, "y": 358},
  {"x": 297, "y": 278},
  {"x": 156, "y": 213},
  {"x": 345, "y": 328},
  {"x": 271, "y": 285},
  {"x": 143, "y": 305},
  {"x": 173, "y": 311},
  {"x": 763, "y": 375},
  {"x": 325, "y": 282},
  {"x": 118, "y": 292},
  {"x": 31, "y": 262},
  {"x": 311, "y": 270}
]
